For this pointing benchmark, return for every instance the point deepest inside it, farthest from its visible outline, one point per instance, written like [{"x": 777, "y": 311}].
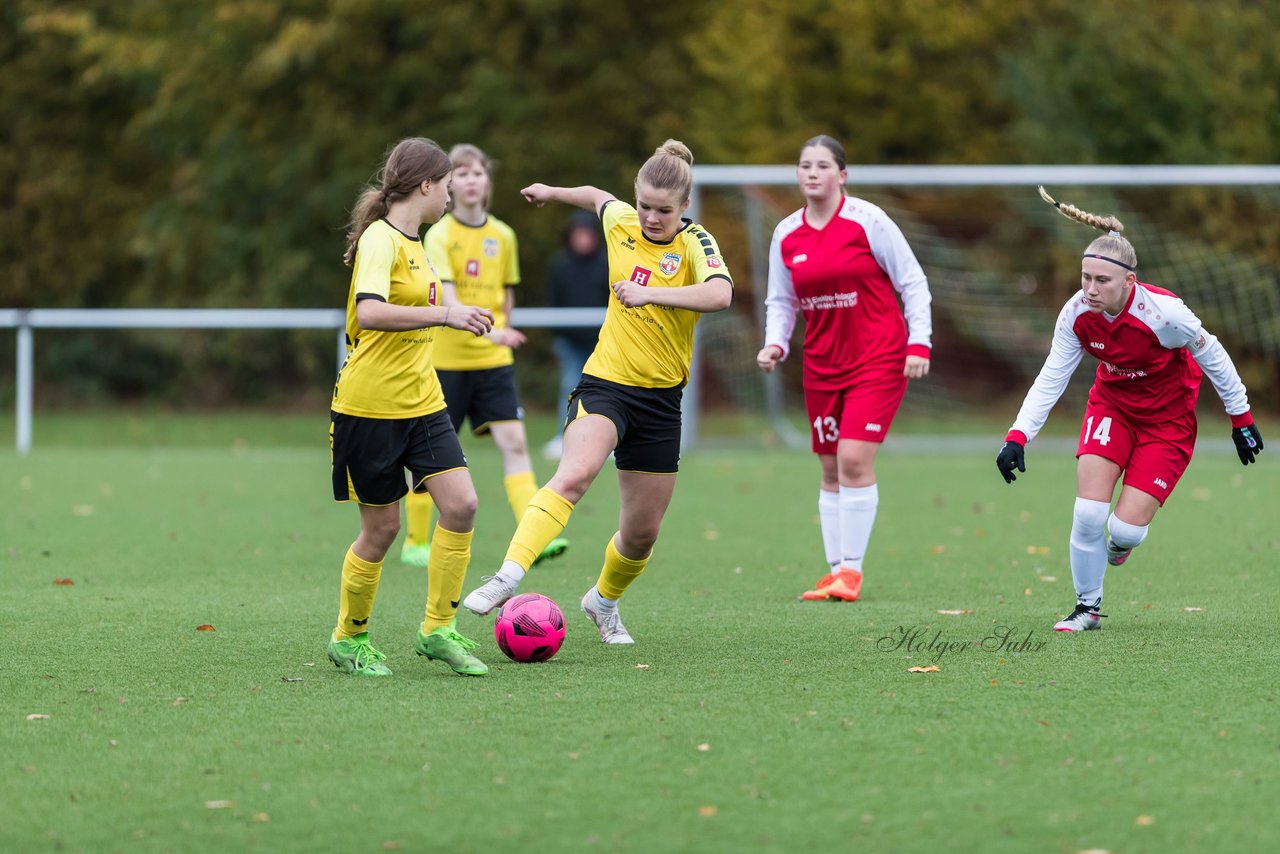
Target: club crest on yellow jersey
[
  {"x": 670, "y": 263},
  {"x": 490, "y": 248}
]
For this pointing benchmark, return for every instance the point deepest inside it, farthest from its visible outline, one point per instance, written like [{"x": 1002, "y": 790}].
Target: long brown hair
[{"x": 407, "y": 165}]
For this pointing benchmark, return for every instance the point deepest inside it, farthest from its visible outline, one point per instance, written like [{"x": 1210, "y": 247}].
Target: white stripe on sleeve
[
  {"x": 781, "y": 303},
  {"x": 1064, "y": 357},
  {"x": 894, "y": 255}
]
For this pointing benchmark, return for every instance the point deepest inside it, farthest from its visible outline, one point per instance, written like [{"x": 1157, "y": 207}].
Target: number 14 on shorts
[{"x": 1102, "y": 435}]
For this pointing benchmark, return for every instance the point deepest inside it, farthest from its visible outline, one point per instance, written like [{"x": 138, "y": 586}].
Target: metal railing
[{"x": 26, "y": 321}]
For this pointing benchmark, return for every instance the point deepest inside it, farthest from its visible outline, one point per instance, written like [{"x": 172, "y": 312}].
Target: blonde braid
[
  {"x": 1102, "y": 223},
  {"x": 1112, "y": 246}
]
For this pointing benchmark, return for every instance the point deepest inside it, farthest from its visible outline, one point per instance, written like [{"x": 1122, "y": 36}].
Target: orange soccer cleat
[
  {"x": 819, "y": 591},
  {"x": 847, "y": 585}
]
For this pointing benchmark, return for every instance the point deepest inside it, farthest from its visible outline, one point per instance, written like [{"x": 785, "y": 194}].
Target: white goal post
[{"x": 918, "y": 177}]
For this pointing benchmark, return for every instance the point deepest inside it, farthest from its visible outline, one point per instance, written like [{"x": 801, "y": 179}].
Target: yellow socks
[
  {"x": 520, "y": 491},
  {"x": 542, "y": 522},
  {"x": 450, "y": 554},
  {"x": 417, "y": 513},
  {"x": 618, "y": 571},
  {"x": 355, "y": 602}
]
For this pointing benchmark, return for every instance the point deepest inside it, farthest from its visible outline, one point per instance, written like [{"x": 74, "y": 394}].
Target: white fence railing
[{"x": 26, "y": 321}]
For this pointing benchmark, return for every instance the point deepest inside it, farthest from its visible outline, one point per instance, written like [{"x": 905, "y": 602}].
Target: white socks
[
  {"x": 857, "y": 517},
  {"x": 829, "y": 516},
  {"x": 1089, "y": 549},
  {"x": 1124, "y": 535},
  {"x": 511, "y": 571}
]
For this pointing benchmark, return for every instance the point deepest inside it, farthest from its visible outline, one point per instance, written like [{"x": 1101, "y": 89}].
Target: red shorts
[
  {"x": 862, "y": 411},
  {"x": 1153, "y": 457}
]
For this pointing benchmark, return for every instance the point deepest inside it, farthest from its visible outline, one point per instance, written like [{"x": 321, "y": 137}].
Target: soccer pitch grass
[{"x": 742, "y": 720}]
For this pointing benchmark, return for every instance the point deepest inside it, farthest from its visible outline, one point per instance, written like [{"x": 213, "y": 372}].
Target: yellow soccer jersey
[
  {"x": 389, "y": 374},
  {"x": 482, "y": 262},
  {"x": 651, "y": 346}
]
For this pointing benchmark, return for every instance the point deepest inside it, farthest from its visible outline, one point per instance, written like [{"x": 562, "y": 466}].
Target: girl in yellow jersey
[
  {"x": 476, "y": 256},
  {"x": 666, "y": 271},
  {"x": 389, "y": 413}
]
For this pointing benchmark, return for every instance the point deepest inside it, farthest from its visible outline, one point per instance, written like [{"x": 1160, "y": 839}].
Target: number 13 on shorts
[{"x": 825, "y": 430}]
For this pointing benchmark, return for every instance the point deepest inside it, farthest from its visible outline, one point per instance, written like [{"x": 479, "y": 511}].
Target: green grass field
[{"x": 742, "y": 720}]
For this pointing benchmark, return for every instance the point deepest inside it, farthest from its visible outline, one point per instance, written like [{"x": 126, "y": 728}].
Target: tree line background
[{"x": 206, "y": 153}]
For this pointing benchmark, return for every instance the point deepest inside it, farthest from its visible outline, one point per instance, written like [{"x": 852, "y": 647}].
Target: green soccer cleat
[
  {"x": 555, "y": 548},
  {"x": 415, "y": 554},
  {"x": 445, "y": 644},
  {"x": 355, "y": 655}
]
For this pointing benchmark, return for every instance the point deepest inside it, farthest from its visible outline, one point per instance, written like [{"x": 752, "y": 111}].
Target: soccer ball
[{"x": 530, "y": 628}]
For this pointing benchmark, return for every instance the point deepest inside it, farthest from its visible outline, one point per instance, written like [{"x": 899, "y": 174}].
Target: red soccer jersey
[
  {"x": 1150, "y": 358},
  {"x": 846, "y": 277}
]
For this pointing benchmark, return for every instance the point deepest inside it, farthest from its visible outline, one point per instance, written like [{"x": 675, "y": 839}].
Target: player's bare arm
[
  {"x": 712, "y": 295},
  {"x": 587, "y": 198},
  {"x": 387, "y": 317}
]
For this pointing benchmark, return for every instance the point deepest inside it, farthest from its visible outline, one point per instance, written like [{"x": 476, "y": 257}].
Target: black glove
[
  {"x": 1011, "y": 456},
  {"x": 1248, "y": 443}
]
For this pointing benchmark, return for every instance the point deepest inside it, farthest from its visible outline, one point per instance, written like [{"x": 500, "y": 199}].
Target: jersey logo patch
[
  {"x": 431, "y": 294},
  {"x": 1097, "y": 345},
  {"x": 1199, "y": 343},
  {"x": 670, "y": 263},
  {"x": 872, "y": 427},
  {"x": 490, "y": 248},
  {"x": 473, "y": 267},
  {"x": 641, "y": 276},
  {"x": 714, "y": 262},
  {"x": 799, "y": 259}
]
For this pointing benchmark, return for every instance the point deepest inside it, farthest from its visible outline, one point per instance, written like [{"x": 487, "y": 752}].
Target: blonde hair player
[
  {"x": 666, "y": 272},
  {"x": 477, "y": 258},
  {"x": 389, "y": 415},
  {"x": 1140, "y": 420},
  {"x": 844, "y": 264}
]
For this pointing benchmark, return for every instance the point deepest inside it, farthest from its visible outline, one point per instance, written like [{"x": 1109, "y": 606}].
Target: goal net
[{"x": 1000, "y": 264}]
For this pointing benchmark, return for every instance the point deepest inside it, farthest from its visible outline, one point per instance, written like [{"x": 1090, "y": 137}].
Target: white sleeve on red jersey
[
  {"x": 781, "y": 303},
  {"x": 890, "y": 249},
  {"x": 1179, "y": 327},
  {"x": 1064, "y": 357}
]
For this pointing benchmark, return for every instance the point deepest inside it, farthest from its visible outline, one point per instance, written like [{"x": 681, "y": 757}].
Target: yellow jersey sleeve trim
[{"x": 705, "y": 255}]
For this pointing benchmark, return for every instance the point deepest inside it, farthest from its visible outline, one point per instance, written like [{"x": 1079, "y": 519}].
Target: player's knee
[
  {"x": 514, "y": 448},
  {"x": 857, "y": 466},
  {"x": 1124, "y": 534},
  {"x": 460, "y": 512},
  {"x": 382, "y": 533},
  {"x": 1089, "y": 518},
  {"x": 569, "y": 485},
  {"x": 639, "y": 540}
]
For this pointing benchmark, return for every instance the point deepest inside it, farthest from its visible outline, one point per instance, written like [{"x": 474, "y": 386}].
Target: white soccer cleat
[
  {"x": 495, "y": 591},
  {"x": 606, "y": 620},
  {"x": 1083, "y": 619}
]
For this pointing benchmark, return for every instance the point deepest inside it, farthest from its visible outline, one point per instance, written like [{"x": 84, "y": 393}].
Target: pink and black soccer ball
[{"x": 530, "y": 628}]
